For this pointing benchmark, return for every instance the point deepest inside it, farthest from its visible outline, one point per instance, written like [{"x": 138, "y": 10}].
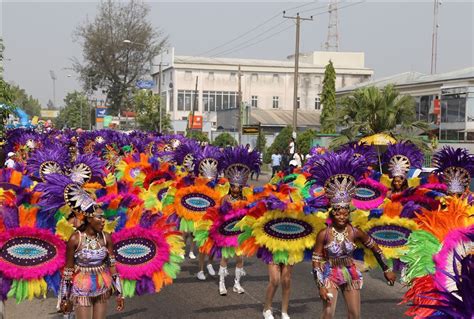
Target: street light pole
[{"x": 53, "y": 77}]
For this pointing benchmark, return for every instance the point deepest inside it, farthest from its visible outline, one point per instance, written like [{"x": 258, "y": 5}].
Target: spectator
[
  {"x": 291, "y": 167},
  {"x": 276, "y": 163},
  {"x": 10, "y": 162},
  {"x": 257, "y": 172}
]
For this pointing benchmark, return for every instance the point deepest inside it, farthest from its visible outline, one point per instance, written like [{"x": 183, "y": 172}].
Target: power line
[
  {"x": 248, "y": 40},
  {"x": 258, "y": 26},
  {"x": 262, "y": 40}
]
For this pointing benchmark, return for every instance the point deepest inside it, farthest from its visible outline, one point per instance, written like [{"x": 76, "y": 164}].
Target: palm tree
[{"x": 371, "y": 110}]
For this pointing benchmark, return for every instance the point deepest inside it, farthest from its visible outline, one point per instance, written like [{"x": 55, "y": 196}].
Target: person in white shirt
[
  {"x": 276, "y": 163},
  {"x": 10, "y": 162}
]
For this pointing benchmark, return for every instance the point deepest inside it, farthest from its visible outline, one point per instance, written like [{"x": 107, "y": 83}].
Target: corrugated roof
[
  {"x": 408, "y": 78},
  {"x": 283, "y": 117}
]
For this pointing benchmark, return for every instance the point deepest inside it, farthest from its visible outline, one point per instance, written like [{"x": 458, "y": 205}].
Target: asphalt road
[{"x": 190, "y": 298}]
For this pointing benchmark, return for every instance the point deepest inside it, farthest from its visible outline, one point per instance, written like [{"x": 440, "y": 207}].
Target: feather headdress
[
  {"x": 47, "y": 161},
  {"x": 238, "y": 163},
  {"x": 185, "y": 154},
  {"x": 338, "y": 173},
  {"x": 455, "y": 167},
  {"x": 208, "y": 162},
  {"x": 400, "y": 157}
]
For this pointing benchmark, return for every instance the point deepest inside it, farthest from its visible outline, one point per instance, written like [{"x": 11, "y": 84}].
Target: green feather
[
  {"x": 168, "y": 200},
  {"x": 280, "y": 257},
  {"x": 186, "y": 226},
  {"x": 171, "y": 270},
  {"x": 200, "y": 237},
  {"x": 176, "y": 259},
  {"x": 422, "y": 246},
  {"x": 228, "y": 252},
  {"x": 247, "y": 233},
  {"x": 129, "y": 287}
]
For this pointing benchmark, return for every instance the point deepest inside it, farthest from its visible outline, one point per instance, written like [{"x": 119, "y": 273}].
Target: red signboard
[{"x": 195, "y": 122}]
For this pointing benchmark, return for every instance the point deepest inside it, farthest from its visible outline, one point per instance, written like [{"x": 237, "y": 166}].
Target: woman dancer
[
  {"x": 333, "y": 264},
  {"x": 90, "y": 277}
]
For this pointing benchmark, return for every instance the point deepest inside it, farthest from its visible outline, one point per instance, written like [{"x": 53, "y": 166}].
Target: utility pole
[
  {"x": 160, "y": 70},
  {"x": 194, "y": 102},
  {"x": 239, "y": 104},
  {"x": 434, "y": 37},
  {"x": 297, "y": 58}
]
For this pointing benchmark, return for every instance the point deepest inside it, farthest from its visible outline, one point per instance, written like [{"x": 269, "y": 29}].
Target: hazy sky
[{"x": 395, "y": 36}]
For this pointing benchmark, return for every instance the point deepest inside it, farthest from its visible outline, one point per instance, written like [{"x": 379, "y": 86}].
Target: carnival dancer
[
  {"x": 333, "y": 264},
  {"x": 238, "y": 164},
  {"x": 90, "y": 277},
  {"x": 400, "y": 158}
]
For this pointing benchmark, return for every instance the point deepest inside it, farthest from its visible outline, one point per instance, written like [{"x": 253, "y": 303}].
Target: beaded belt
[
  {"x": 100, "y": 268},
  {"x": 341, "y": 261}
]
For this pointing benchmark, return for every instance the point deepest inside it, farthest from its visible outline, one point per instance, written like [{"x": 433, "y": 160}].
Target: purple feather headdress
[
  {"x": 238, "y": 163},
  {"x": 400, "y": 157},
  {"x": 186, "y": 153},
  {"x": 86, "y": 167},
  {"x": 208, "y": 162},
  {"x": 47, "y": 161},
  {"x": 338, "y": 173},
  {"x": 455, "y": 167},
  {"x": 59, "y": 190},
  {"x": 368, "y": 152}
]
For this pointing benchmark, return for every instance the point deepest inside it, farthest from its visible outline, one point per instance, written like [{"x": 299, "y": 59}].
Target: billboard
[
  {"x": 195, "y": 122},
  {"x": 49, "y": 114},
  {"x": 145, "y": 84},
  {"x": 100, "y": 112}
]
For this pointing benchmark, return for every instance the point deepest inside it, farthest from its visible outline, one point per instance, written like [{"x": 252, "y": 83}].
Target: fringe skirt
[
  {"x": 91, "y": 285},
  {"x": 344, "y": 277}
]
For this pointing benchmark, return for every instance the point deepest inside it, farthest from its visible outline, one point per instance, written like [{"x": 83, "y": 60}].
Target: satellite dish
[{"x": 171, "y": 85}]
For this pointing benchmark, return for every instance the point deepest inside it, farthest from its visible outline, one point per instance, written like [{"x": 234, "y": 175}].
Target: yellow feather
[{"x": 64, "y": 229}]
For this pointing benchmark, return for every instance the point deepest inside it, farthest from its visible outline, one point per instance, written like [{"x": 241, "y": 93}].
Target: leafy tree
[
  {"x": 2, "y": 48},
  {"x": 26, "y": 102},
  {"x": 328, "y": 100},
  {"x": 371, "y": 110},
  {"x": 224, "y": 139},
  {"x": 109, "y": 62},
  {"x": 148, "y": 116},
  {"x": 76, "y": 104},
  {"x": 280, "y": 144},
  {"x": 6, "y": 107},
  {"x": 197, "y": 135},
  {"x": 304, "y": 141},
  {"x": 261, "y": 142}
]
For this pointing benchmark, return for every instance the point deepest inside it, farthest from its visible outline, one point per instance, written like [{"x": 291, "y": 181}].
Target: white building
[
  {"x": 444, "y": 100},
  {"x": 265, "y": 84}
]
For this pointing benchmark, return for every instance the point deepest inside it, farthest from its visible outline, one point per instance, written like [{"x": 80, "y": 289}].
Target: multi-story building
[
  {"x": 444, "y": 100},
  {"x": 211, "y": 86}
]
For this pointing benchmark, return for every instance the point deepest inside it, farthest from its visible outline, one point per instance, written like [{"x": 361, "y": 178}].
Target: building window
[
  {"x": 317, "y": 103},
  {"x": 188, "y": 75},
  {"x": 254, "y": 77},
  {"x": 276, "y": 101},
  {"x": 453, "y": 108},
  {"x": 164, "y": 77},
  {"x": 211, "y": 76},
  {"x": 254, "y": 101},
  {"x": 298, "y": 102},
  {"x": 452, "y": 135},
  {"x": 276, "y": 78},
  {"x": 219, "y": 100},
  {"x": 185, "y": 100},
  {"x": 171, "y": 76}
]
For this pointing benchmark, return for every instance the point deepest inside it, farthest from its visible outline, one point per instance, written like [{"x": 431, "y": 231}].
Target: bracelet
[
  {"x": 317, "y": 257},
  {"x": 388, "y": 270},
  {"x": 369, "y": 243}
]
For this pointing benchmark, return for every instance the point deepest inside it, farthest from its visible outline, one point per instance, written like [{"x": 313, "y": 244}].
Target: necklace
[
  {"x": 92, "y": 243},
  {"x": 339, "y": 236}
]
